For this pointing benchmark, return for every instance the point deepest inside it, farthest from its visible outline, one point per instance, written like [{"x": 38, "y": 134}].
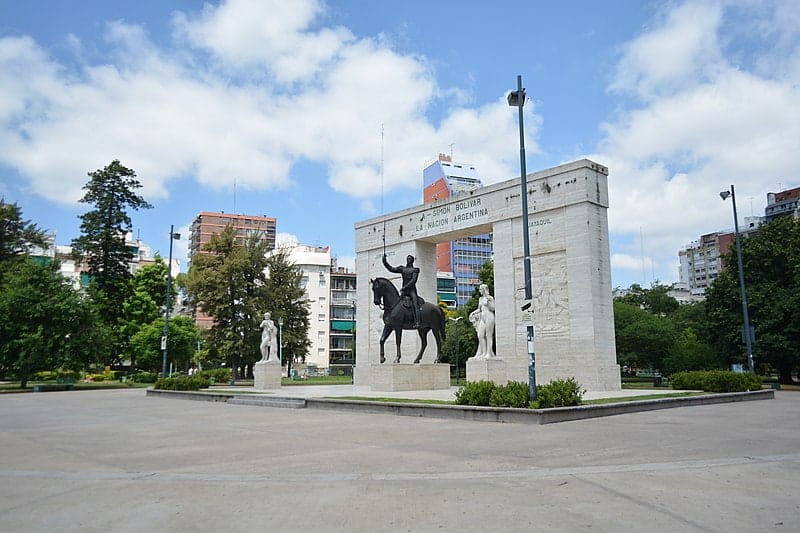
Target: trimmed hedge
[
  {"x": 183, "y": 383},
  {"x": 143, "y": 377},
  {"x": 715, "y": 381},
  {"x": 558, "y": 393},
  {"x": 220, "y": 375},
  {"x": 475, "y": 393},
  {"x": 512, "y": 394}
]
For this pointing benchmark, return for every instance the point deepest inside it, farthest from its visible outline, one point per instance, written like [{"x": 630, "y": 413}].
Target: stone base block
[
  {"x": 390, "y": 377},
  {"x": 267, "y": 375},
  {"x": 492, "y": 369}
]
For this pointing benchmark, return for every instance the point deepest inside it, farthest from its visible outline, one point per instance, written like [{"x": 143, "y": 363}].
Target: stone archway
[{"x": 568, "y": 224}]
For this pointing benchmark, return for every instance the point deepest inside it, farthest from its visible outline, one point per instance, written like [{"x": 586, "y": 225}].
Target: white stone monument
[{"x": 573, "y": 313}]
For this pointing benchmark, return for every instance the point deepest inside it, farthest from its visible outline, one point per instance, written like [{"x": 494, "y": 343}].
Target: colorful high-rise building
[{"x": 445, "y": 178}]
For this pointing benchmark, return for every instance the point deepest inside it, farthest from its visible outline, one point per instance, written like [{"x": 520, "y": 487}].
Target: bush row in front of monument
[
  {"x": 183, "y": 383},
  {"x": 715, "y": 381},
  {"x": 558, "y": 393}
]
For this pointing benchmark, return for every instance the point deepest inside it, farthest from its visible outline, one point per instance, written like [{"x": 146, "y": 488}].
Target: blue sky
[{"x": 287, "y": 100}]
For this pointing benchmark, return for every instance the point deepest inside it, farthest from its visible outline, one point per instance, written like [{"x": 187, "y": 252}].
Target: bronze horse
[{"x": 398, "y": 315}]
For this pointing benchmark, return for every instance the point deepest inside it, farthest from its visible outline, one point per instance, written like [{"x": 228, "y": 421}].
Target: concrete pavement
[{"x": 121, "y": 461}]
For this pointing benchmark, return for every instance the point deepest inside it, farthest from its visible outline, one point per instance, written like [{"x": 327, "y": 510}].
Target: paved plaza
[{"x": 122, "y": 461}]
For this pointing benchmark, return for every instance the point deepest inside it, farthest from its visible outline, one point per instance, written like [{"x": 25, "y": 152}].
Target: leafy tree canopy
[
  {"x": 182, "y": 340},
  {"x": 228, "y": 280},
  {"x": 655, "y": 300},
  {"x": 771, "y": 260},
  {"x": 45, "y": 323},
  {"x": 17, "y": 236},
  {"x": 287, "y": 301}
]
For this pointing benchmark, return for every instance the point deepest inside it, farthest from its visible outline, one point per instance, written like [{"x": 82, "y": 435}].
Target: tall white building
[
  {"x": 314, "y": 263},
  {"x": 701, "y": 261}
]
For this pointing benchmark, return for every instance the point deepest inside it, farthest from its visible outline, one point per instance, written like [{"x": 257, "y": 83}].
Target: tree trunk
[{"x": 785, "y": 373}]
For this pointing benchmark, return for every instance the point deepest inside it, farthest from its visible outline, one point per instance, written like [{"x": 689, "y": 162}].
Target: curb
[{"x": 467, "y": 412}]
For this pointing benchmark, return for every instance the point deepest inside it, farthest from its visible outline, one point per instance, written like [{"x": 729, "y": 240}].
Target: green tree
[
  {"x": 145, "y": 345},
  {"x": 460, "y": 336},
  {"x": 17, "y": 236},
  {"x": 287, "y": 301},
  {"x": 143, "y": 304},
  {"x": 45, "y": 323},
  {"x": 111, "y": 191},
  {"x": 655, "y": 300},
  {"x": 690, "y": 353},
  {"x": 772, "y": 276},
  {"x": 643, "y": 339},
  {"x": 229, "y": 282}
]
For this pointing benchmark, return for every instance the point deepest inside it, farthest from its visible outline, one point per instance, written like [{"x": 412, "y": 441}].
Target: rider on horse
[{"x": 409, "y": 273}]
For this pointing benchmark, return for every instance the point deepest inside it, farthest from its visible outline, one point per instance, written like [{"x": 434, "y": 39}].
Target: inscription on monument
[{"x": 452, "y": 215}]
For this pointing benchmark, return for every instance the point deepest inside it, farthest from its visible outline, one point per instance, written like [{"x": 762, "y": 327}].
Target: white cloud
[
  {"x": 168, "y": 114},
  {"x": 675, "y": 53},
  {"x": 271, "y": 34},
  {"x": 702, "y": 128}
]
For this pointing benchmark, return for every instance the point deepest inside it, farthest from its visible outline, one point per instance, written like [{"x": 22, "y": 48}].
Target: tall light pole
[
  {"x": 168, "y": 303},
  {"x": 280, "y": 340},
  {"x": 745, "y": 313},
  {"x": 458, "y": 346},
  {"x": 517, "y": 99}
]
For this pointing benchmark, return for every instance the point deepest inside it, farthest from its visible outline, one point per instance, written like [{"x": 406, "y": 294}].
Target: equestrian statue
[{"x": 406, "y": 310}]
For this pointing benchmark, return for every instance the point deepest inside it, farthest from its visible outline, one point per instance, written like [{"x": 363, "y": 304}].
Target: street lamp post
[
  {"x": 280, "y": 340},
  {"x": 458, "y": 346},
  {"x": 745, "y": 314},
  {"x": 517, "y": 99},
  {"x": 168, "y": 303}
]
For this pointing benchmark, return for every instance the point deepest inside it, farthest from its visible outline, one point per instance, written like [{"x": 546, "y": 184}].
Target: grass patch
[
  {"x": 395, "y": 400},
  {"x": 13, "y": 387},
  {"x": 644, "y": 397},
  {"x": 636, "y": 385},
  {"x": 318, "y": 380}
]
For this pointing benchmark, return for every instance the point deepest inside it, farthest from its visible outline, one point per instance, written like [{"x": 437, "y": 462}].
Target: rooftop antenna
[
  {"x": 451, "y": 151},
  {"x": 641, "y": 244},
  {"x": 384, "y": 220},
  {"x": 234, "y": 195}
]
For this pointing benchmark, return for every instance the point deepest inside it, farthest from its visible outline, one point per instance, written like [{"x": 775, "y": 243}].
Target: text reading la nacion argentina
[{"x": 453, "y": 214}]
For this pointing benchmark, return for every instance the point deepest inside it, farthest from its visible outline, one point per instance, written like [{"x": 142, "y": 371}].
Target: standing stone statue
[
  {"x": 482, "y": 320},
  {"x": 410, "y": 274},
  {"x": 268, "y": 339}
]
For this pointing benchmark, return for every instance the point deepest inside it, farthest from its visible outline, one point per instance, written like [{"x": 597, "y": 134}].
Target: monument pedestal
[
  {"x": 267, "y": 375},
  {"x": 492, "y": 369},
  {"x": 391, "y": 377}
]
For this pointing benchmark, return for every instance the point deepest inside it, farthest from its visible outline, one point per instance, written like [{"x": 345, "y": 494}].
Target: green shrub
[
  {"x": 220, "y": 375},
  {"x": 512, "y": 394},
  {"x": 183, "y": 383},
  {"x": 143, "y": 377},
  {"x": 475, "y": 393},
  {"x": 70, "y": 374},
  {"x": 44, "y": 375},
  {"x": 558, "y": 393},
  {"x": 97, "y": 377},
  {"x": 715, "y": 381}
]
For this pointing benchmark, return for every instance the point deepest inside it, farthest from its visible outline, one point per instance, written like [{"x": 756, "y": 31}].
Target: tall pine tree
[{"x": 101, "y": 245}]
